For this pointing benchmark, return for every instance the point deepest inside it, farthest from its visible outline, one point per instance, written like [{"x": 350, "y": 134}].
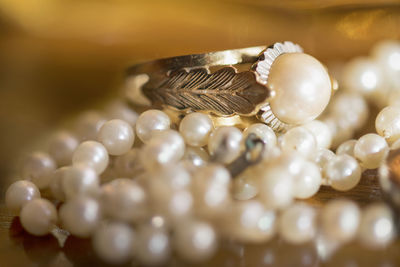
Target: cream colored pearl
[
  {"x": 322, "y": 158},
  {"x": 38, "y": 217},
  {"x": 196, "y": 128},
  {"x": 349, "y": 110},
  {"x": 347, "y": 148},
  {"x": 62, "y": 146},
  {"x": 80, "y": 216},
  {"x": 195, "y": 241},
  {"x": 150, "y": 121},
  {"x": 307, "y": 181},
  {"x": 211, "y": 190},
  {"x": 371, "y": 150},
  {"x": 300, "y": 140},
  {"x": 250, "y": 222},
  {"x": 388, "y": 123},
  {"x": 262, "y": 131},
  {"x": 321, "y": 133},
  {"x": 19, "y": 193},
  {"x": 245, "y": 185},
  {"x": 121, "y": 111},
  {"x": 387, "y": 53},
  {"x": 38, "y": 168},
  {"x": 195, "y": 157},
  {"x": 128, "y": 165},
  {"x": 377, "y": 228},
  {"x": 362, "y": 76},
  {"x": 166, "y": 147},
  {"x": 124, "y": 199},
  {"x": 92, "y": 154},
  {"x": 276, "y": 187},
  {"x": 297, "y": 224},
  {"x": 80, "y": 180},
  {"x": 88, "y": 125},
  {"x": 117, "y": 137},
  {"x": 340, "y": 219},
  {"x": 226, "y": 141},
  {"x": 114, "y": 242},
  {"x": 153, "y": 245},
  {"x": 343, "y": 172},
  {"x": 302, "y": 88},
  {"x": 169, "y": 192},
  {"x": 56, "y": 185}
]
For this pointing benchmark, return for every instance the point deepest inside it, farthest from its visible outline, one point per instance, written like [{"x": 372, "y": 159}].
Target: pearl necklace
[{"x": 168, "y": 192}]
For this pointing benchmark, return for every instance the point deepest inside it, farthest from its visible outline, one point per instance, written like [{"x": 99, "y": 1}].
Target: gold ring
[{"x": 226, "y": 84}]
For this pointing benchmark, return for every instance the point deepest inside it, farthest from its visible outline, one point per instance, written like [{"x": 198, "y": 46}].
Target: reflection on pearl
[
  {"x": 304, "y": 95},
  {"x": 80, "y": 180},
  {"x": 262, "y": 131},
  {"x": 19, "y": 193},
  {"x": 307, "y": 181},
  {"x": 38, "y": 168},
  {"x": 92, "y": 154},
  {"x": 38, "y": 217},
  {"x": 388, "y": 123},
  {"x": 343, "y": 172},
  {"x": 62, "y": 146},
  {"x": 300, "y": 140},
  {"x": 371, "y": 150},
  {"x": 321, "y": 133},
  {"x": 297, "y": 224},
  {"x": 153, "y": 245},
  {"x": 80, "y": 216},
  {"x": 117, "y": 136},
  {"x": 114, "y": 242},
  {"x": 195, "y": 128},
  {"x": 226, "y": 141},
  {"x": 151, "y": 121},
  {"x": 347, "y": 148}
]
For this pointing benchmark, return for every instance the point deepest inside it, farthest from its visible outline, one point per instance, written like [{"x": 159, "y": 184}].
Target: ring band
[{"x": 223, "y": 83}]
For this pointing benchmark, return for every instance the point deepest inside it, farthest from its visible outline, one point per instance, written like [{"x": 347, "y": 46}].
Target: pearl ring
[{"x": 279, "y": 85}]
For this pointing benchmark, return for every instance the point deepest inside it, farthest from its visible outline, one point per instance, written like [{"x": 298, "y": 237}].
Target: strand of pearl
[{"x": 165, "y": 193}]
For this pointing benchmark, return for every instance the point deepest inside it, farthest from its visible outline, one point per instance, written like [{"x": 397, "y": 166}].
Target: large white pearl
[
  {"x": 343, "y": 172},
  {"x": 387, "y": 123},
  {"x": 20, "y": 193},
  {"x": 92, "y": 154},
  {"x": 151, "y": 121},
  {"x": 226, "y": 142},
  {"x": 38, "y": 216},
  {"x": 371, "y": 149},
  {"x": 195, "y": 129},
  {"x": 302, "y": 88}
]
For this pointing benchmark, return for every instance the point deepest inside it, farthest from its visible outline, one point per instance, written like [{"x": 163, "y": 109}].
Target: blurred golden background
[{"x": 59, "y": 57}]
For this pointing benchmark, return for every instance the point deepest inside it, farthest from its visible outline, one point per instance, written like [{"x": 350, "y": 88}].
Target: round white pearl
[
  {"x": 307, "y": 181},
  {"x": 92, "y": 154},
  {"x": 195, "y": 241},
  {"x": 149, "y": 121},
  {"x": 387, "y": 123},
  {"x": 244, "y": 185},
  {"x": 226, "y": 141},
  {"x": 128, "y": 165},
  {"x": 166, "y": 147},
  {"x": 322, "y": 157},
  {"x": 250, "y": 222},
  {"x": 387, "y": 53},
  {"x": 321, "y": 132},
  {"x": 56, "y": 185},
  {"x": 343, "y": 172},
  {"x": 117, "y": 136},
  {"x": 19, "y": 193},
  {"x": 349, "y": 110},
  {"x": 371, "y": 150},
  {"x": 196, "y": 128},
  {"x": 377, "y": 228},
  {"x": 262, "y": 131},
  {"x": 297, "y": 224},
  {"x": 124, "y": 199},
  {"x": 347, "y": 148},
  {"x": 153, "y": 245},
  {"x": 88, "y": 125},
  {"x": 195, "y": 157},
  {"x": 38, "y": 216},
  {"x": 80, "y": 180},
  {"x": 276, "y": 187},
  {"x": 302, "y": 88},
  {"x": 211, "y": 190},
  {"x": 114, "y": 242},
  {"x": 80, "y": 216},
  {"x": 62, "y": 146},
  {"x": 300, "y": 140},
  {"x": 362, "y": 76},
  {"x": 121, "y": 111},
  {"x": 38, "y": 168},
  {"x": 340, "y": 220}
]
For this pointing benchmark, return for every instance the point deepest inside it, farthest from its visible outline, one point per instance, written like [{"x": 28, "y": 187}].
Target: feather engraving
[{"x": 223, "y": 92}]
